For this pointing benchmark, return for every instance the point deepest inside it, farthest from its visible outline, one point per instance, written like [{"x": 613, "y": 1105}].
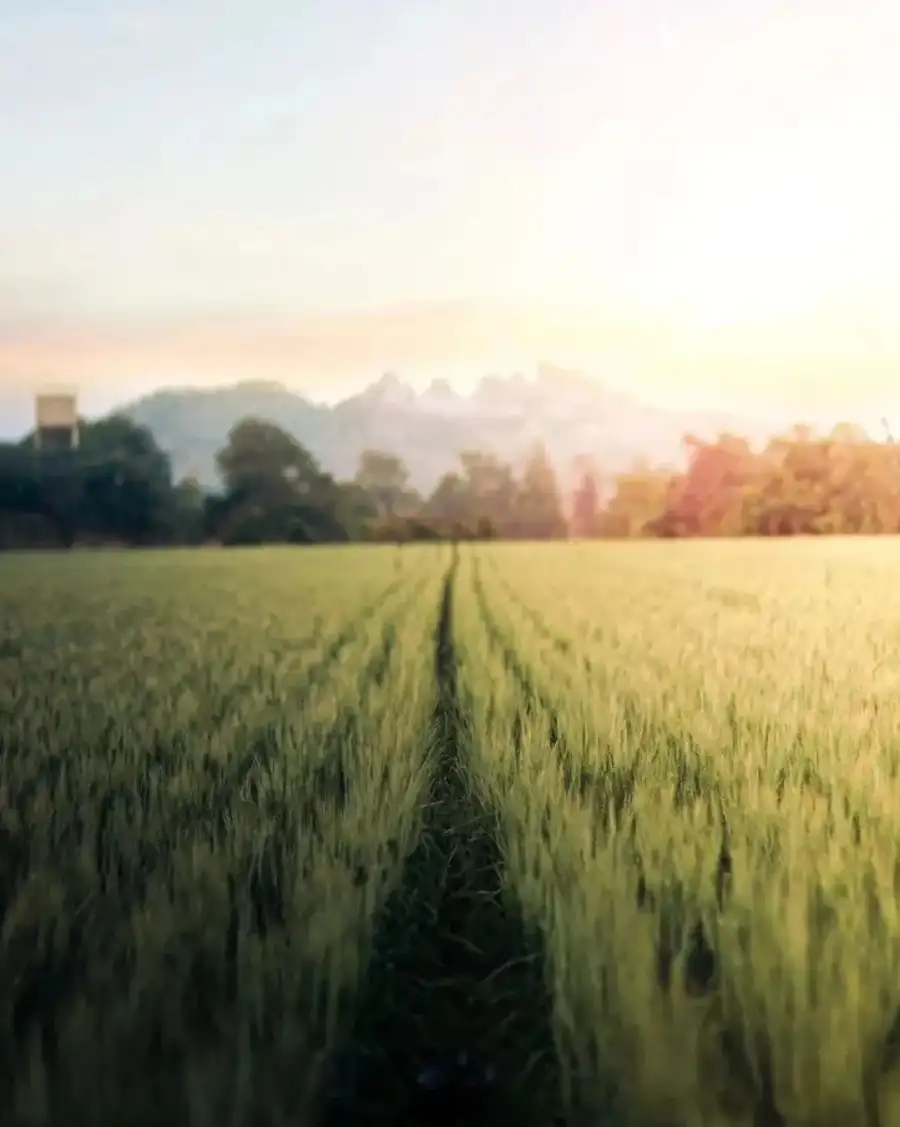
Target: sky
[{"x": 696, "y": 200}]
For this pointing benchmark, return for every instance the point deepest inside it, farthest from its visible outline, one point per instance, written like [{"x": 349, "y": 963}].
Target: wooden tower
[{"x": 56, "y": 421}]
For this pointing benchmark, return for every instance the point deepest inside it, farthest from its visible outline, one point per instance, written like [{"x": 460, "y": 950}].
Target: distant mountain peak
[
  {"x": 440, "y": 388},
  {"x": 571, "y": 413},
  {"x": 390, "y": 390},
  {"x": 264, "y": 386},
  {"x": 493, "y": 386}
]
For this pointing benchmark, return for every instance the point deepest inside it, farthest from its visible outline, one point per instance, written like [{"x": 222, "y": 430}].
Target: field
[{"x": 280, "y": 830}]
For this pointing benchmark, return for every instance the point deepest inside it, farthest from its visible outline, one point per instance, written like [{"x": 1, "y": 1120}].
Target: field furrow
[{"x": 453, "y": 971}]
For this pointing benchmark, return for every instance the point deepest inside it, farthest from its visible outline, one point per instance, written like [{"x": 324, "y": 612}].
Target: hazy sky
[{"x": 698, "y": 199}]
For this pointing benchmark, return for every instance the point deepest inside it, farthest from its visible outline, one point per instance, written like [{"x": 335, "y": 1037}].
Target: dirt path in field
[{"x": 453, "y": 970}]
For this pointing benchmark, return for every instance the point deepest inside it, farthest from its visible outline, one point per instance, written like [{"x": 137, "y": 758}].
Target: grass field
[{"x": 280, "y": 829}]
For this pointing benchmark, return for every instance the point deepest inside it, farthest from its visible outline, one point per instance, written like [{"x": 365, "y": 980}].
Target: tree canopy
[
  {"x": 274, "y": 490},
  {"x": 117, "y": 487}
]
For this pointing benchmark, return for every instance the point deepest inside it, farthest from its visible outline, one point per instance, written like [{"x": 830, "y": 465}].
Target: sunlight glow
[{"x": 752, "y": 246}]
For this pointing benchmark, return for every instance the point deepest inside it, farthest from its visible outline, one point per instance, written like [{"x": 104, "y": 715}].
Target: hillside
[{"x": 571, "y": 413}]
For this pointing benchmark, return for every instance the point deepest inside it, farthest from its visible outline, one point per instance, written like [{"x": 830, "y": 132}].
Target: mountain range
[{"x": 571, "y": 413}]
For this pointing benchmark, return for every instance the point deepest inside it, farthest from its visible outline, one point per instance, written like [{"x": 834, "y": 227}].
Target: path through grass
[{"x": 453, "y": 970}]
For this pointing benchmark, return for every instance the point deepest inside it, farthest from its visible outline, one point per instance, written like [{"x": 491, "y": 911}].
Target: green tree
[
  {"x": 385, "y": 478},
  {"x": 26, "y": 516},
  {"x": 449, "y": 505},
  {"x": 490, "y": 489},
  {"x": 125, "y": 489},
  {"x": 539, "y": 513},
  {"x": 586, "y": 499},
  {"x": 188, "y": 523},
  {"x": 274, "y": 490},
  {"x": 354, "y": 509},
  {"x": 638, "y": 502},
  {"x": 116, "y": 486}
]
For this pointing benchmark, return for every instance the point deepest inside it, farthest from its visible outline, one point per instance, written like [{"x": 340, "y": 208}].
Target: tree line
[{"x": 117, "y": 487}]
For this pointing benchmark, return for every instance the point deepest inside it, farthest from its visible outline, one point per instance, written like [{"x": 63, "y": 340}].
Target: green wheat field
[{"x": 279, "y": 828}]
